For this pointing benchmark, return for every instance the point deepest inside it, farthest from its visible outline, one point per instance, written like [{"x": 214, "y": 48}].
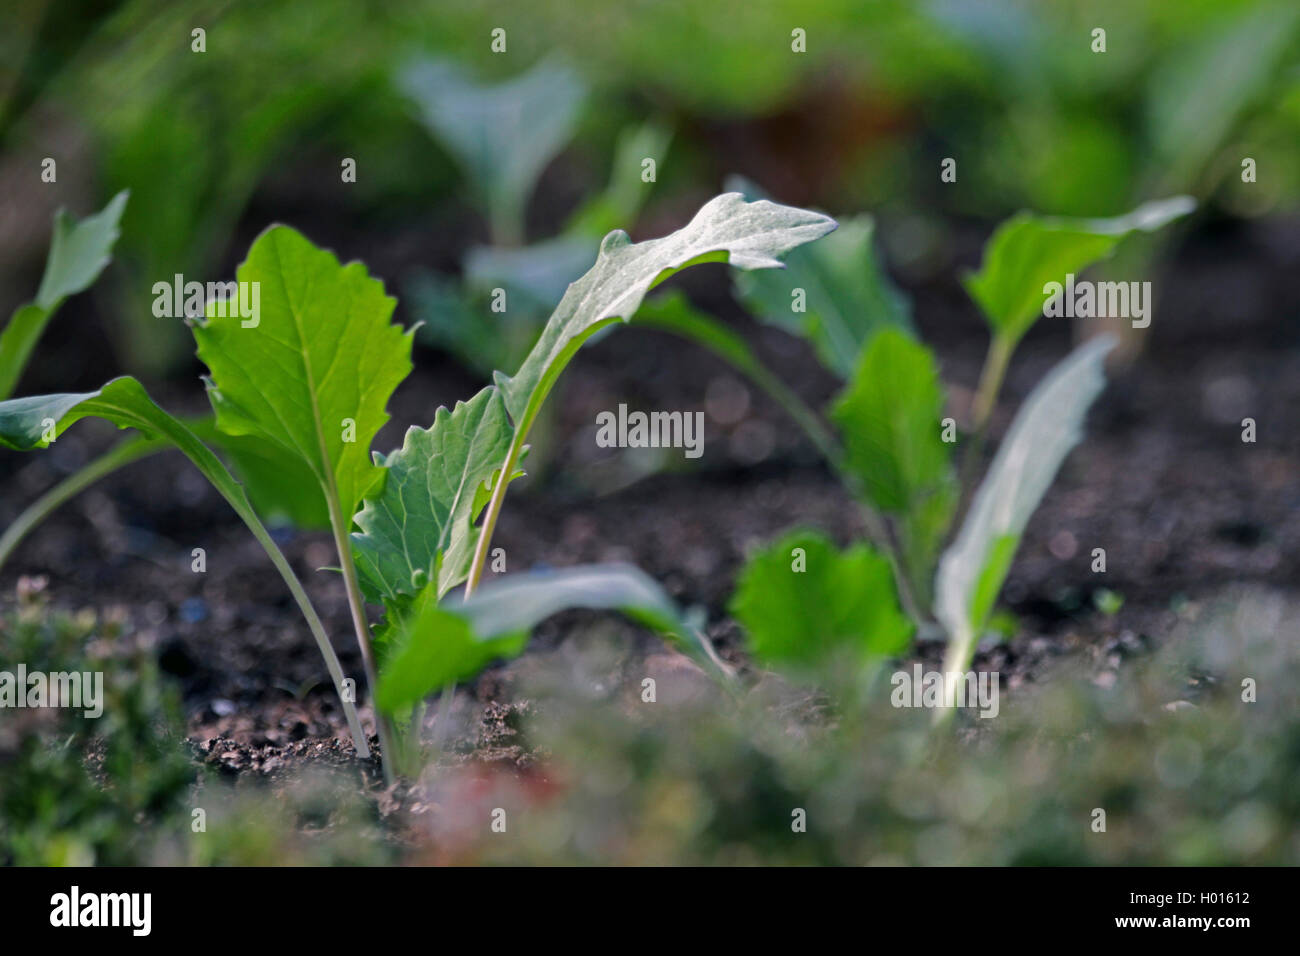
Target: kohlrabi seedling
[
  {"x": 306, "y": 386},
  {"x": 894, "y": 450}
]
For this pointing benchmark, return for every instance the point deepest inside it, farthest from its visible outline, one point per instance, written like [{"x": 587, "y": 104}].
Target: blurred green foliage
[
  {"x": 1011, "y": 89},
  {"x": 1187, "y": 771},
  {"x": 75, "y": 790},
  {"x": 121, "y": 789}
]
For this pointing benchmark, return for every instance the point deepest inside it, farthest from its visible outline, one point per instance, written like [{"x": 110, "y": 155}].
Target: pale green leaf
[
  {"x": 1048, "y": 425},
  {"x": 502, "y": 134},
  {"x": 534, "y": 276},
  {"x": 79, "y": 251},
  {"x": 727, "y": 229},
  {"x": 419, "y": 526},
  {"x": 434, "y": 646},
  {"x": 323, "y": 354},
  {"x": 1028, "y": 251},
  {"x": 840, "y": 608}
]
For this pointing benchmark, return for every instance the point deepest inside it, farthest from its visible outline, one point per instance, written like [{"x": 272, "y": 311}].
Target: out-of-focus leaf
[
  {"x": 842, "y": 607},
  {"x": 1047, "y": 426},
  {"x": 621, "y": 200},
  {"x": 537, "y": 274},
  {"x": 433, "y": 646},
  {"x": 450, "y": 321},
  {"x": 1028, "y": 251},
  {"x": 890, "y": 419},
  {"x": 79, "y": 251},
  {"x": 502, "y": 134},
  {"x": 1201, "y": 90},
  {"x": 846, "y": 294}
]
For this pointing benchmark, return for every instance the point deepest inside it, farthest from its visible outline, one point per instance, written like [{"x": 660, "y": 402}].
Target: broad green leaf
[
  {"x": 79, "y": 251},
  {"x": 748, "y": 235},
  {"x": 502, "y": 134},
  {"x": 846, "y": 295},
  {"x": 840, "y": 607},
  {"x": 316, "y": 372},
  {"x": 435, "y": 645},
  {"x": 891, "y": 419},
  {"x": 279, "y": 483},
  {"x": 418, "y": 528},
  {"x": 1047, "y": 426},
  {"x": 1028, "y": 251},
  {"x": 27, "y": 423}
]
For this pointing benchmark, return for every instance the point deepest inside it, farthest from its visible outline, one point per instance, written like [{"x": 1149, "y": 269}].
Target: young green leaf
[
  {"x": 279, "y": 483},
  {"x": 419, "y": 528},
  {"x": 27, "y": 423},
  {"x": 79, "y": 251},
  {"x": 806, "y": 605},
  {"x": 846, "y": 296},
  {"x": 1047, "y": 426},
  {"x": 312, "y": 373},
  {"x": 890, "y": 417},
  {"x": 503, "y": 134},
  {"x": 726, "y": 229},
  {"x": 316, "y": 372},
  {"x": 1028, "y": 251},
  {"x": 434, "y": 646}
]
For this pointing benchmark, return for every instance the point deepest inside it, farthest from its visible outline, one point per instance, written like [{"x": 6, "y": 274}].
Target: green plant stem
[
  {"x": 357, "y": 606},
  {"x": 956, "y": 659},
  {"x": 118, "y": 456},
  {"x": 493, "y": 510},
  {"x": 986, "y": 397}
]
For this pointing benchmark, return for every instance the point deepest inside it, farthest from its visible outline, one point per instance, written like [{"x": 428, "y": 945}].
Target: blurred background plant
[
  {"x": 1187, "y": 771},
  {"x": 121, "y": 789},
  {"x": 282, "y": 94}
]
